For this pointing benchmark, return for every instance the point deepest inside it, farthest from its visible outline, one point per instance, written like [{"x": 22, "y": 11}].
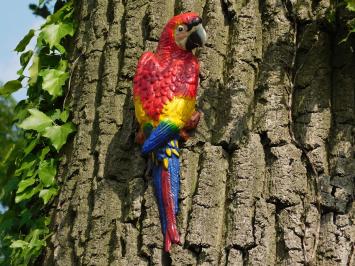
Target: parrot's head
[{"x": 185, "y": 30}]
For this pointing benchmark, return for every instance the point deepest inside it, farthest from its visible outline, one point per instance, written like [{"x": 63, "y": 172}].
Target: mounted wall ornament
[{"x": 165, "y": 89}]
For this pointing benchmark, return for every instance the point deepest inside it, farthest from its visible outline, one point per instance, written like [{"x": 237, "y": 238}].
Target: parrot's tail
[{"x": 166, "y": 178}]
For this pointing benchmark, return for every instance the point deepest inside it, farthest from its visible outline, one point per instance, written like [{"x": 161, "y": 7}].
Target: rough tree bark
[{"x": 268, "y": 178}]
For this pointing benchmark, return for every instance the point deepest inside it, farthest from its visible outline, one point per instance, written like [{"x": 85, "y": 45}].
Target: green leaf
[
  {"x": 35, "y": 242},
  {"x": 62, "y": 14},
  {"x": 40, "y": 2},
  {"x": 19, "y": 244},
  {"x": 59, "y": 134},
  {"x": 27, "y": 165},
  {"x": 33, "y": 70},
  {"x": 54, "y": 33},
  {"x": 64, "y": 116},
  {"x": 25, "y": 184},
  {"x": 37, "y": 121},
  {"x": 21, "y": 110},
  {"x": 53, "y": 81},
  {"x": 25, "y": 58},
  {"x": 27, "y": 194},
  {"x": 350, "y": 5},
  {"x": 56, "y": 115},
  {"x": 47, "y": 194},
  {"x": 21, "y": 46},
  {"x": 30, "y": 146},
  {"x": 7, "y": 155},
  {"x": 10, "y": 87},
  {"x": 44, "y": 152},
  {"x": 47, "y": 171},
  {"x": 63, "y": 65}
]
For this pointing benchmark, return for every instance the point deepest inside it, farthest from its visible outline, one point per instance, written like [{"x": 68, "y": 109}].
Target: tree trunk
[{"x": 268, "y": 177}]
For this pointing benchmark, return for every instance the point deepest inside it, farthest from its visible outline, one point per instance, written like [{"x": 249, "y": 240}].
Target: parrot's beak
[{"x": 197, "y": 37}]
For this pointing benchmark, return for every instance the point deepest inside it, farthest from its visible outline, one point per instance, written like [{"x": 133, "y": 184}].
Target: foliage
[
  {"x": 11, "y": 140},
  {"x": 350, "y": 6},
  {"x": 8, "y": 135},
  {"x": 350, "y": 20},
  {"x": 28, "y": 168},
  {"x": 43, "y": 7}
]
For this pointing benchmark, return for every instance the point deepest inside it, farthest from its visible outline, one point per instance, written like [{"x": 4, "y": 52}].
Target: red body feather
[{"x": 168, "y": 73}]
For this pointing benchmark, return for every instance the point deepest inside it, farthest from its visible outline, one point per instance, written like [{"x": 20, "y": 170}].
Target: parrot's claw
[
  {"x": 193, "y": 122},
  {"x": 190, "y": 125},
  {"x": 184, "y": 135}
]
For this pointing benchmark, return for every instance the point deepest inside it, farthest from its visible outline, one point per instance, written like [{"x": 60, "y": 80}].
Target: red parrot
[{"x": 164, "y": 89}]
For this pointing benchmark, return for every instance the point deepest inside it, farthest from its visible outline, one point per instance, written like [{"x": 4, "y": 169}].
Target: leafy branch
[{"x": 29, "y": 184}]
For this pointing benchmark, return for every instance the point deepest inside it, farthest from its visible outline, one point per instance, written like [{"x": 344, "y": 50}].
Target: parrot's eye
[{"x": 180, "y": 28}]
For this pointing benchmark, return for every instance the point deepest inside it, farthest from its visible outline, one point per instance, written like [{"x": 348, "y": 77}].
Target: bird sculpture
[{"x": 164, "y": 91}]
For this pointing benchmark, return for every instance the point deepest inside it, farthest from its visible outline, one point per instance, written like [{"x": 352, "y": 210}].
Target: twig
[{"x": 70, "y": 77}]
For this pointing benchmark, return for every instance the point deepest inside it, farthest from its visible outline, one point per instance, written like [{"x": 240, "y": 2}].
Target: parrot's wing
[
  {"x": 164, "y": 93},
  {"x": 146, "y": 64},
  {"x": 164, "y": 132},
  {"x": 184, "y": 79}
]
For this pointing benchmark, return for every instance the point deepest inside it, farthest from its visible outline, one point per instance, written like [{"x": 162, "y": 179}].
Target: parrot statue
[{"x": 164, "y": 93}]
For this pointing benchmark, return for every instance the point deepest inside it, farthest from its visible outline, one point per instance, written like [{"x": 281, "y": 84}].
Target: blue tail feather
[
  {"x": 157, "y": 169},
  {"x": 174, "y": 172}
]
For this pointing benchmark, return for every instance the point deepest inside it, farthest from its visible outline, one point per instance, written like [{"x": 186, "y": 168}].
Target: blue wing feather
[{"x": 164, "y": 132}]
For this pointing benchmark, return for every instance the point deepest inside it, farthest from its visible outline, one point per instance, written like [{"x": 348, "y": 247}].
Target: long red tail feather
[{"x": 171, "y": 228}]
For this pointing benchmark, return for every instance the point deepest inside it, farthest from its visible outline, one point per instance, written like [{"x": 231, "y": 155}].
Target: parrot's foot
[
  {"x": 190, "y": 125},
  {"x": 140, "y": 138},
  {"x": 184, "y": 135},
  {"x": 193, "y": 122}
]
